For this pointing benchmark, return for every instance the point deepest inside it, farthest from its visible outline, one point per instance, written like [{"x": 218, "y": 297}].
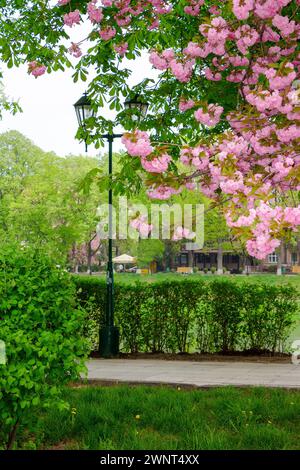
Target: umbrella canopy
[{"x": 124, "y": 259}]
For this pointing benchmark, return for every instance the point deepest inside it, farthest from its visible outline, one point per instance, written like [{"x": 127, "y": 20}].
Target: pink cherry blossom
[
  {"x": 287, "y": 134},
  {"x": 190, "y": 186},
  {"x": 193, "y": 8},
  {"x": 285, "y": 26},
  {"x": 214, "y": 10},
  {"x": 185, "y": 105},
  {"x": 277, "y": 80},
  {"x": 230, "y": 186},
  {"x": 142, "y": 226},
  {"x": 107, "y": 33},
  {"x": 121, "y": 49},
  {"x": 209, "y": 117},
  {"x": 163, "y": 192},
  {"x": 182, "y": 70},
  {"x": 261, "y": 246},
  {"x": 194, "y": 50},
  {"x": 75, "y": 50},
  {"x": 265, "y": 100},
  {"x": 72, "y": 18},
  {"x": 95, "y": 13},
  {"x": 156, "y": 164},
  {"x": 137, "y": 144},
  {"x": 265, "y": 9},
  {"x": 246, "y": 37},
  {"x": 183, "y": 233},
  {"x": 211, "y": 76},
  {"x": 36, "y": 69},
  {"x": 161, "y": 61},
  {"x": 242, "y": 8},
  {"x": 292, "y": 216}
]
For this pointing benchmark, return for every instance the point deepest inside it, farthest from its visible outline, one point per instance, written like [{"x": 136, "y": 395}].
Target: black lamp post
[{"x": 109, "y": 333}]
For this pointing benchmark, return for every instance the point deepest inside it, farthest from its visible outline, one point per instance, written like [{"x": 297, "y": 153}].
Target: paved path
[{"x": 199, "y": 374}]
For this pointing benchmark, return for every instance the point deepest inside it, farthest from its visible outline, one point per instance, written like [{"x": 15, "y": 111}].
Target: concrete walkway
[{"x": 199, "y": 374}]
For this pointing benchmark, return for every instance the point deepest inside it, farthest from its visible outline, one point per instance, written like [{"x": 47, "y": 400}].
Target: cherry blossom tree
[{"x": 226, "y": 103}]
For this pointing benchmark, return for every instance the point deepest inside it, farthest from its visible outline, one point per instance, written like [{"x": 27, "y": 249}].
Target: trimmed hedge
[{"x": 189, "y": 315}]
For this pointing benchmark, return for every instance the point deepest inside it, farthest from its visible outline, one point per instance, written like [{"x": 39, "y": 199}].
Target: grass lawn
[{"x": 150, "y": 418}]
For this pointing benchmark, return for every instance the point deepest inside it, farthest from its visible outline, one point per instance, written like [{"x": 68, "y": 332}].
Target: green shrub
[
  {"x": 42, "y": 331},
  {"x": 225, "y": 301},
  {"x": 129, "y": 311},
  {"x": 272, "y": 268},
  {"x": 268, "y": 316},
  {"x": 186, "y": 314},
  {"x": 204, "y": 329}
]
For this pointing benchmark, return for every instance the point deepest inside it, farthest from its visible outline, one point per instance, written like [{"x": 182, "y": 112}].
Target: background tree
[
  {"x": 148, "y": 251},
  {"x": 41, "y": 203}
]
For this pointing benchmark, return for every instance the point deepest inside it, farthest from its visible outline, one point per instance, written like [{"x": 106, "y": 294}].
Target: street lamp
[
  {"x": 83, "y": 111},
  {"x": 136, "y": 102},
  {"x": 109, "y": 333}
]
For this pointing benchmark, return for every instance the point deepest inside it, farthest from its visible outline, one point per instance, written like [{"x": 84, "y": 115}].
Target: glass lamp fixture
[
  {"x": 83, "y": 109},
  {"x": 137, "y": 103}
]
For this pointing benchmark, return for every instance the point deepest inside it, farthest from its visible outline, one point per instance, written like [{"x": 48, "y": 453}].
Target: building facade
[{"x": 203, "y": 259}]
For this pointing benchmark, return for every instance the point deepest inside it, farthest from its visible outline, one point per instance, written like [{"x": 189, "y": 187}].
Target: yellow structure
[
  {"x": 296, "y": 269},
  {"x": 184, "y": 270}
]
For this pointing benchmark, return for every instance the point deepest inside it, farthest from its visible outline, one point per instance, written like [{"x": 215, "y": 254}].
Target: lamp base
[{"x": 109, "y": 341}]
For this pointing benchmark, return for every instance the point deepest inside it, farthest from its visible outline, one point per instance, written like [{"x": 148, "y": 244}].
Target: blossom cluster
[
  {"x": 36, "y": 69},
  {"x": 181, "y": 233},
  {"x": 137, "y": 144},
  {"x": 140, "y": 224},
  {"x": 209, "y": 117}
]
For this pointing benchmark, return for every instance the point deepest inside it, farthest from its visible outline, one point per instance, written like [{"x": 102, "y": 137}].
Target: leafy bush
[
  {"x": 42, "y": 331},
  {"x": 130, "y": 301},
  {"x": 272, "y": 268},
  {"x": 268, "y": 316},
  {"x": 185, "y": 315},
  {"x": 226, "y": 300}
]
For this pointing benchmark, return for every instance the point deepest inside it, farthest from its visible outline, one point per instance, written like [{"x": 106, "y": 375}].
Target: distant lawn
[{"x": 123, "y": 417}]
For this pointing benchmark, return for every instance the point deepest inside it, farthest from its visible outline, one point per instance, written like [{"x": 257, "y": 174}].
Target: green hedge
[{"x": 193, "y": 315}]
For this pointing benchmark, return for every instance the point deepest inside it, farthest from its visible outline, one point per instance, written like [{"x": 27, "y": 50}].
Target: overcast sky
[{"x": 48, "y": 117}]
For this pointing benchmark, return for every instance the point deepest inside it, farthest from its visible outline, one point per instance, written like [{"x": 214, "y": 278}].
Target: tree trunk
[
  {"x": 89, "y": 259},
  {"x": 172, "y": 261},
  {"x": 220, "y": 259},
  {"x": 190, "y": 259},
  {"x": 280, "y": 259},
  {"x": 12, "y": 436}
]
